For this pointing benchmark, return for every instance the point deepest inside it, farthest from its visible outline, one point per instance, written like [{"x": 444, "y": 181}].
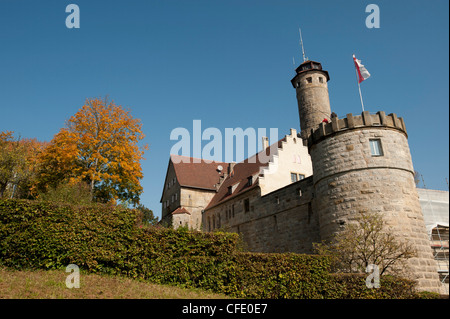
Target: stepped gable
[{"x": 239, "y": 174}]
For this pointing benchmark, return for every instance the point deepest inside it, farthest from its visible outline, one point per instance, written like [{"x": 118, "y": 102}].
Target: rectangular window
[
  {"x": 301, "y": 176},
  {"x": 250, "y": 181},
  {"x": 309, "y": 80},
  {"x": 294, "y": 177},
  {"x": 246, "y": 205},
  {"x": 230, "y": 190},
  {"x": 375, "y": 147}
]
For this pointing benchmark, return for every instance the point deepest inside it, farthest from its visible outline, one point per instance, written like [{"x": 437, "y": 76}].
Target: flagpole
[
  {"x": 360, "y": 96},
  {"x": 359, "y": 86}
]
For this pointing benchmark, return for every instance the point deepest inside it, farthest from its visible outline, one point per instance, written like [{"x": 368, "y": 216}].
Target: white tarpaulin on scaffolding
[{"x": 435, "y": 208}]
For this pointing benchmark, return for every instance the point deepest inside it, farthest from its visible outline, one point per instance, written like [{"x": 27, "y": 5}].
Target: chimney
[
  {"x": 230, "y": 168},
  {"x": 265, "y": 142}
]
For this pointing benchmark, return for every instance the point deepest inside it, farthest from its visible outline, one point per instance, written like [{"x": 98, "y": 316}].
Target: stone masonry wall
[
  {"x": 313, "y": 100},
  {"x": 195, "y": 201},
  {"x": 348, "y": 179},
  {"x": 281, "y": 221}
]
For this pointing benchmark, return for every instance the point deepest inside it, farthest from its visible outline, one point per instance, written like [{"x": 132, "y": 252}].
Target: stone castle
[{"x": 315, "y": 182}]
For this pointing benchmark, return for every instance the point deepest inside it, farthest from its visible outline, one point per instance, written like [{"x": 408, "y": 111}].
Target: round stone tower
[
  {"x": 363, "y": 164},
  {"x": 310, "y": 82}
]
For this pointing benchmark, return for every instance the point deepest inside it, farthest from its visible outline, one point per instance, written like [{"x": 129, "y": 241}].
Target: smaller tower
[{"x": 310, "y": 82}]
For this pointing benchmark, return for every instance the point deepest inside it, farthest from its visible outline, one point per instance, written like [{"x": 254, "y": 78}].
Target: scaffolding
[
  {"x": 435, "y": 211},
  {"x": 439, "y": 244}
]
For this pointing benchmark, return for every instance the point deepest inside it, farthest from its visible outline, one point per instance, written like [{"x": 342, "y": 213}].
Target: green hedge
[
  {"x": 353, "y": 286},
  {"x": 96, "y": 238},
  {"x": 106, "y": 239}
]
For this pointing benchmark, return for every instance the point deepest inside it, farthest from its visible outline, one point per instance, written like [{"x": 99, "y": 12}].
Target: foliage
[
  {"x": 148, "y": 217},
  {"x": 353, "y": 286},
  {"x": 367, "y": 241},
  {"x": 17, "y": 165},
  {"x": 98, "y": 146},
  {"x": 69, "y": 193},
  {"x": 103, "y": 238}
]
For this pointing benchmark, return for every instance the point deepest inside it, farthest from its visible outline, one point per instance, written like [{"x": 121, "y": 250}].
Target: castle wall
[
  {"x": 181, "y": 220},
  {"x": 195, "y": 201},
  {"x": 281, "y": 221},
  {"x": 349, "y": 178},
  {"x": 171, "y": 187}
]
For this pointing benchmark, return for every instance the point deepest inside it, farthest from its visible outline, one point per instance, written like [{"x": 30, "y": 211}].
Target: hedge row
[{"x": 108, "y": 239}]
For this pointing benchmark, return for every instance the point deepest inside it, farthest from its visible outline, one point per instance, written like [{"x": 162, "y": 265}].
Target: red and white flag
[{"x": 361, "y": 71}]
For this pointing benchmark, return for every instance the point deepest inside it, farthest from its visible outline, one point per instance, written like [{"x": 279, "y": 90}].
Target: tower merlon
[
  {"x": 308, "y": 66},
  {"x": 380, "y": 120}
]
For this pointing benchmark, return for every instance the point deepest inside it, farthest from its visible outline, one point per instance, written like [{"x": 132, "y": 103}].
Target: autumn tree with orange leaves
[
  {"x": 98, "y": 146},
  {"x": 18, "y": 166}
]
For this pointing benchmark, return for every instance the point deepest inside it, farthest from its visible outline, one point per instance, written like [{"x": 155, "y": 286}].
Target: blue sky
[{"x": 226, "y": 63}]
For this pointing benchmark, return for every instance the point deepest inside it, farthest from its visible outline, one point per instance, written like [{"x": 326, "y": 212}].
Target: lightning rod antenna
[{"x": 301, "y": 43}]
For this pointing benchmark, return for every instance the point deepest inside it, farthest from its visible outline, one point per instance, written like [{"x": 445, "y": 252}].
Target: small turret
[{"x": 310, "y": 83}]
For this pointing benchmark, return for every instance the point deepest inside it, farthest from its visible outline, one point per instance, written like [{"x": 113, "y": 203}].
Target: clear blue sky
[{"x": 226, "y": 63}]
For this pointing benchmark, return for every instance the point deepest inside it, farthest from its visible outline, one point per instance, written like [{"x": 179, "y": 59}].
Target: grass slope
[{"x": 51, "y": 284}]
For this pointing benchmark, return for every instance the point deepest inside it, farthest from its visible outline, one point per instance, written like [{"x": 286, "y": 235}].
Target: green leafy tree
[
  {"x": 148, "y": 217},
  {"x": 68, "y": 193},
  {"x": 367, "y": 240}
]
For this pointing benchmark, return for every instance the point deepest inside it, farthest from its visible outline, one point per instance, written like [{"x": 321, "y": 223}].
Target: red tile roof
[
  {"x": 197, "y": 173},
  {"x": 205, "y": 175},
  {"x": 180, "y": 210},
  {"x": 239, "y": 176}
]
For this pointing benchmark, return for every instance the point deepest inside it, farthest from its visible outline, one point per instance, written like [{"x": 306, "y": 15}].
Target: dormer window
[
  {"x": 230, "y": 190},
  {"x": 249, "y": 181}
]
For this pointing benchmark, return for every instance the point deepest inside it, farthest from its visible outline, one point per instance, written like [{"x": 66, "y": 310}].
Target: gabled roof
[
  {"x": 197, "y": 173},
  {"x": 180, "y": 210},
  {"x": 238, "y": 179},
  {"x": 194, "y": 173}
]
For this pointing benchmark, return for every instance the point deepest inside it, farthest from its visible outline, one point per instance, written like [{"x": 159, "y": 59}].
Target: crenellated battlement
[{"x": 350, "y": 122}]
